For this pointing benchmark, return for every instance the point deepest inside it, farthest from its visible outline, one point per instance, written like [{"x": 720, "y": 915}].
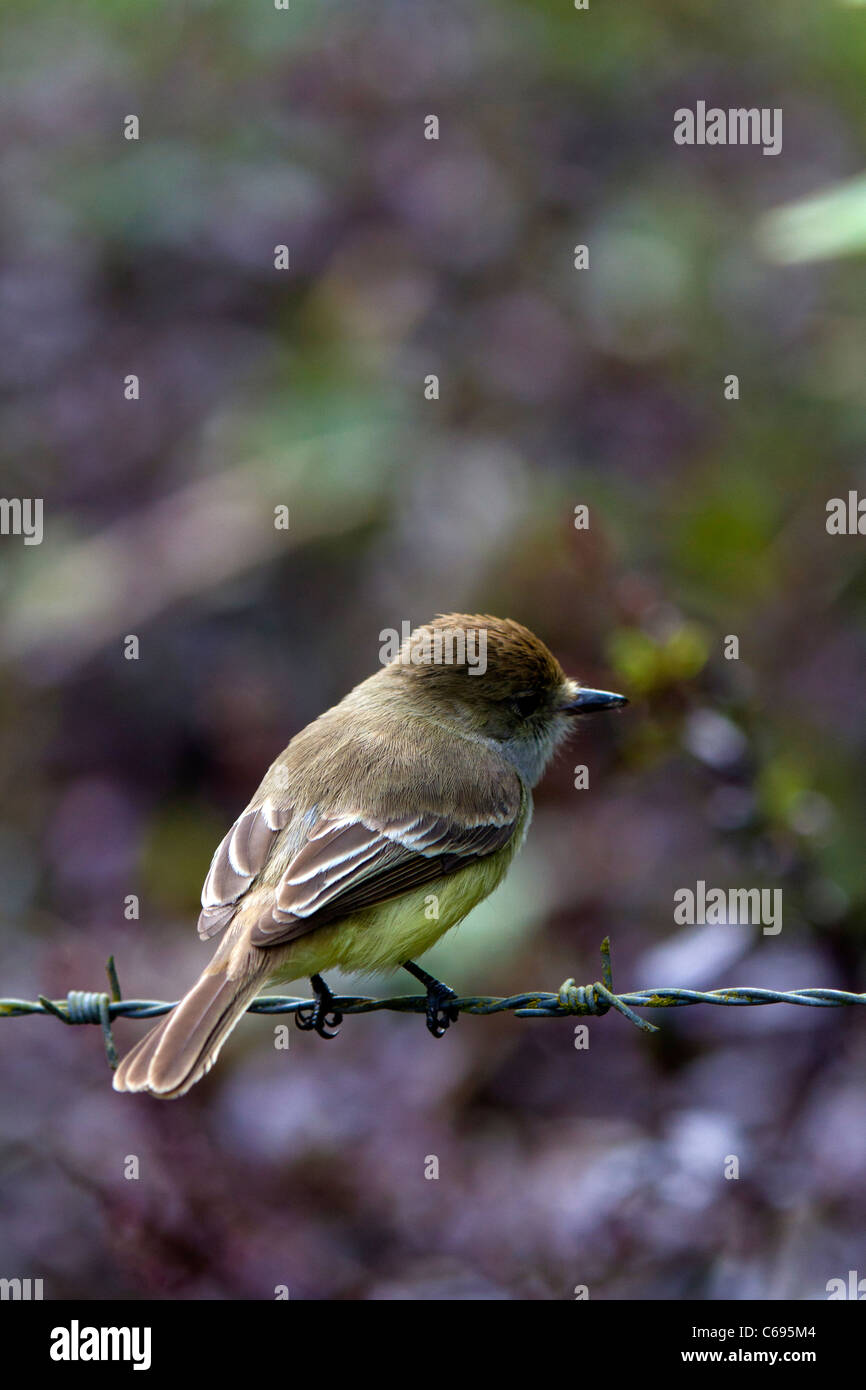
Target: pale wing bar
[{"x": 238, "y": 858}]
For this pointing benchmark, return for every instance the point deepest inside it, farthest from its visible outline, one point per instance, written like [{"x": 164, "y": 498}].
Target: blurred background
[{"x": 558, "y": 387}]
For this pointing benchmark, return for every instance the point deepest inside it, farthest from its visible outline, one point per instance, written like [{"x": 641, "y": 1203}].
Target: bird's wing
[
  {"x": 349, "y": 864},
  {"x": 346, "y": 863},
  {"x": 238, "y": 859}
]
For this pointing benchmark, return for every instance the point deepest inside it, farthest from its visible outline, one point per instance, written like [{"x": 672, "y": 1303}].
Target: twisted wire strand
[{"x": 570, "y": 1000}]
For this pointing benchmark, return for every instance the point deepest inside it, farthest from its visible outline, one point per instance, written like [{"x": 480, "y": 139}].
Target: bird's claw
[
  {"x": 440, "y": 1014},
  {"x": 320, "y": 1016}
]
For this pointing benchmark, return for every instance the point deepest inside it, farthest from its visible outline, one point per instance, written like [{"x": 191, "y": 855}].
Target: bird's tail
[{"x": 184, "y": 1045}]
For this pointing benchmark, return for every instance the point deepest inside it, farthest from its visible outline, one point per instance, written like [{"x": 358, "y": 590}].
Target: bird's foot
[
  {"x": 440, "y": 1013},
  {"x": 320, "y": 1016}
]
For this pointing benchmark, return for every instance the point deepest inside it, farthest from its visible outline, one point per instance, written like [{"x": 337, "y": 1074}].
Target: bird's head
[{"x": 494, "y": 679}]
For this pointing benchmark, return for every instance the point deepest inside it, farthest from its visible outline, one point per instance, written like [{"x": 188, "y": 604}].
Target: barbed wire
[{"x": 570, "y": 1000}]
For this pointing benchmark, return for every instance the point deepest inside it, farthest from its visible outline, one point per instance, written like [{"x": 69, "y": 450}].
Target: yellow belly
[{"x": 382, "y": 937}]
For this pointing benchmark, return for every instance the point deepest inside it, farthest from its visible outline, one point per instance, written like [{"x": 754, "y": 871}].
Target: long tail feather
[{"x": 184, "y": 1045}]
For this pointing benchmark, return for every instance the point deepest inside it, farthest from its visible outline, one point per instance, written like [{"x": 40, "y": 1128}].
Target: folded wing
[{"x": 345, "y": 863}]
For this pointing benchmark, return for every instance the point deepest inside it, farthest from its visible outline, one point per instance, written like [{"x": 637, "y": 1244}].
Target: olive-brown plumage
[{"x": 415, "y": 787}]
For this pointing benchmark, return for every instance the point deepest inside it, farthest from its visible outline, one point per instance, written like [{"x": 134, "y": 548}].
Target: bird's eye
[{"x": 526, "y": 704}]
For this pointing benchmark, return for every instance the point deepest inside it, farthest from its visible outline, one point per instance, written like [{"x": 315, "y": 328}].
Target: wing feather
[
  {"x": 348, "y": 865},
  {"x": 239, "y": 858},
  {"x": 346, "y": 861}
]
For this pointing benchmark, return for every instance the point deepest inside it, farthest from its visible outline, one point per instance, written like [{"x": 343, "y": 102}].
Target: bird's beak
[{"x": 586, "y": 701}]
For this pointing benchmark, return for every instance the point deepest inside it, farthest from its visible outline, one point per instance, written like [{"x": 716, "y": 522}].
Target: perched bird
[{"x": 381, "y": 825}]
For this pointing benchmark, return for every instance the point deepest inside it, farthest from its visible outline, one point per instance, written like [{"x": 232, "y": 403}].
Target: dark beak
[{"x": 593, "y": 701}]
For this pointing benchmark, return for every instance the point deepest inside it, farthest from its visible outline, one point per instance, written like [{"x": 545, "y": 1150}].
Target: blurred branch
[
  {"x": 570, "y": 1000},
  {"x": 86, "y": 592}
]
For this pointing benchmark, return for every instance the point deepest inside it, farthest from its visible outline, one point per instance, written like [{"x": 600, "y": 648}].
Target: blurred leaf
[
  {"x": 832, "y": 223},
  {"x": 647, "y": 664}
]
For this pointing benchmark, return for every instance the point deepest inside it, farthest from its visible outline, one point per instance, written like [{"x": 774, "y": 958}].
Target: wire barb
[
  {"x": 82, "y": 1006},
  {"x": 570, "y": 1000}
]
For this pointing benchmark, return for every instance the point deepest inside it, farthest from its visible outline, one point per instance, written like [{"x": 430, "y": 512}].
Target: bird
[{"x": 380, "y": 826}]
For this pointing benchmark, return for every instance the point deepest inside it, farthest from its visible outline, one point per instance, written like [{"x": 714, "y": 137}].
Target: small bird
[{"x": 380, "y": 826}]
